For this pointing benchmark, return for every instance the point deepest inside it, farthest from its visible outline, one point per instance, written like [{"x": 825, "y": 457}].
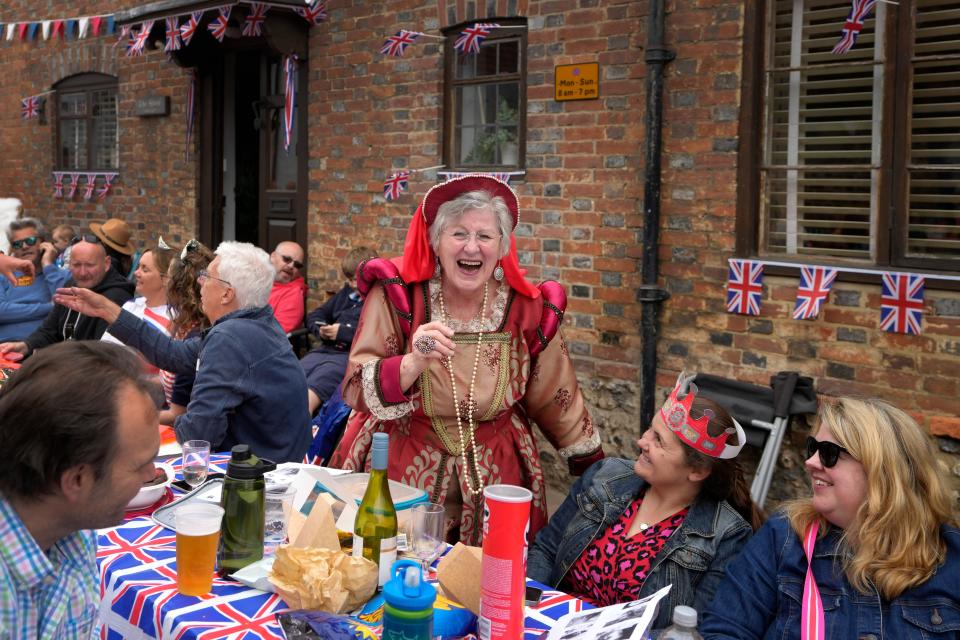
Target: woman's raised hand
[
  {"x": 431, "y": 342},
  {"x": 88, "y": 303}
]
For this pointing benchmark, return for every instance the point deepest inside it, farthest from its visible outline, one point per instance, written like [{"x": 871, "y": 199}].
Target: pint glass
[{"x": 198, "y": 533}]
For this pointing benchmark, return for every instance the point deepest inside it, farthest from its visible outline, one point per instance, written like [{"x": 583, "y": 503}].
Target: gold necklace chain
[{"x": 471, "y": 401}]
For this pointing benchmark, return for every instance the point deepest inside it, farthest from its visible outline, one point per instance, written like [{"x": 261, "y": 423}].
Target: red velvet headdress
[
  {"x": 418, "y": 258},
  {"x": 693, "y": 431}
]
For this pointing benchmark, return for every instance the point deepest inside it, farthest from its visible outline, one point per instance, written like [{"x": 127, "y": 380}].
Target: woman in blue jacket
[
  {"x": 676, "y": 515},
  {"x": 885, "y": 552}
]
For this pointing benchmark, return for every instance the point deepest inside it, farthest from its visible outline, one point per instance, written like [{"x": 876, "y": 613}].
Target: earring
[
  {"x": 498, "y": 272},
  {"x": 437, "y": 270}
]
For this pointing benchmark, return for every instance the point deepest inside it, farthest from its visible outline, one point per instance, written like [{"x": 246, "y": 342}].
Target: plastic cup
[
  {"x": 503, "y": 567},
  {"x": 276, "y": 506},
  {"x": 198, "y": 534}
]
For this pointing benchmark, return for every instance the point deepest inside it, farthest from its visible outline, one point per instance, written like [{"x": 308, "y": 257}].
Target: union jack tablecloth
[{"x": 139, "y": 599}]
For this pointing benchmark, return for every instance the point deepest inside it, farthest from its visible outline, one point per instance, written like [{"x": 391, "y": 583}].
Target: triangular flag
[
  {"x": 57, "y": 28},
  {"x": 32, "y": 31},
  {"x": 82, "y": 26},
  {"x": 22, "y": 30},
  {"x": 11, "y": 29},
  {"x": 70, "y": 28},
  {"x": 45, "y": 29},
  {"x": 95, "y": 25},
  {"x": 111, "y": 25}
]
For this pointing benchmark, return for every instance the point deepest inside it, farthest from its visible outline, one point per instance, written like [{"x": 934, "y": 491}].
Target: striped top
[{"x": 51, "y": 595}]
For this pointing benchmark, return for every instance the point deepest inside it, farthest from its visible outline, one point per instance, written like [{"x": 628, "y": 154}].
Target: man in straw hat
[{"x": 115, "y": 236}]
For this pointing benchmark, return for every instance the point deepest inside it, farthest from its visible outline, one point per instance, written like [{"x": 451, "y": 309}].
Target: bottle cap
[
  {"x": 686, "y": 616},
  {"x": 407, "y": 589},
  {"x": 379, "y": 448},
  {"x": 246, "y": 466}
]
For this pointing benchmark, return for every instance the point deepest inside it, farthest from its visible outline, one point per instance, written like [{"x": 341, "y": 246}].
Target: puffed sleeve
[
  {"x": 372, "y": 382},
  {"x": 553, "y": 400}
]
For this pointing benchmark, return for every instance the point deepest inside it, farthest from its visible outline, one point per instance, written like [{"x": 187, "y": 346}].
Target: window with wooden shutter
[{"x": 860, "y": 158}]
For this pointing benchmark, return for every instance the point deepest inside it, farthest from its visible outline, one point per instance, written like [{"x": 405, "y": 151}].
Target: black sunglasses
[
  {"x": 84, "y": 237},
  {"x": 29, "y": 241},
  {"x": 288, "y": 260},
  {"x": 829, "y": 451}
]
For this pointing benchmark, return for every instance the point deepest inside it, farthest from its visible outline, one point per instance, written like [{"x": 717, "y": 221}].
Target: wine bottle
[{"x": 375, "y": 528}]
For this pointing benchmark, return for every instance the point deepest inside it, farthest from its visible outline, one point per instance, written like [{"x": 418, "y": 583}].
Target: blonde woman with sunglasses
[{"x": 884, "y": 544}]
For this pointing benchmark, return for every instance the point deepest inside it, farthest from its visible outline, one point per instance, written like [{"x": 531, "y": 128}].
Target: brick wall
[{"x": 581, "y": 199}]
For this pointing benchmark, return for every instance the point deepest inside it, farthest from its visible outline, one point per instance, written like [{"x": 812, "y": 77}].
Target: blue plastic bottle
[{"x": 408, "y": 603}]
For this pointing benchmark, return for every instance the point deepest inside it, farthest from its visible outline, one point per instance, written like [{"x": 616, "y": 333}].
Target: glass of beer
[
  {"x": 198, "y": 533},
  {"x": 196, "y": 460}
]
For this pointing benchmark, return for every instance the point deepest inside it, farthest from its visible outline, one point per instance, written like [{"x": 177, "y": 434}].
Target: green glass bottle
[{"x": 375, "y": 528}]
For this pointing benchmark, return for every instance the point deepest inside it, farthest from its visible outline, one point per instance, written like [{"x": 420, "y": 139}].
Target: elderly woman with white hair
[
  {"x": 457, "y": 355},
  {"x": 249, "y": 386}
]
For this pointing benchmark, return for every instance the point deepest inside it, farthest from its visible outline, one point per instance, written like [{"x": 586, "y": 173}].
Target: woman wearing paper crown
[
  {"x": 456, "y": 354},
  {"x": 874, "y": 553},
  {"x": 676, "y": 515}
]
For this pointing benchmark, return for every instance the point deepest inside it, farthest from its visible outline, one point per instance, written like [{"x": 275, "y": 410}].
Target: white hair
[
  {"x": 248, "y": 270},
  {"x": 450, "y": 211}
]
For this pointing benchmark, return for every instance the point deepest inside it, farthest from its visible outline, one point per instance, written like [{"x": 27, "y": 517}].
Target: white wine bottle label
[{"x": 388, "y": 555}]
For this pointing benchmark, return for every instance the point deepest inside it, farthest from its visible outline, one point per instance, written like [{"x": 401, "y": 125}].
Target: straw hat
[{"x": 115, "y": 234}]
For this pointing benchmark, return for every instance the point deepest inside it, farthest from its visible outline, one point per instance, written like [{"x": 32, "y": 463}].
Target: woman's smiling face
[{"x": 468, "y": 249}]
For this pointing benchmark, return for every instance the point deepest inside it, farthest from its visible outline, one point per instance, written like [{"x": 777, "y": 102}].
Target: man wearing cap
[
  {"x": 115, "y": 236},
  {"x": 24, "y": 306},
  {"x": 286, "y": 296},
  {"x": 89, "y": 269}
]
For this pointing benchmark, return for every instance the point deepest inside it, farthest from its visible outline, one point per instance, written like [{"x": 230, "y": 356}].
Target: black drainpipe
[{"x": 649, "y": 294}]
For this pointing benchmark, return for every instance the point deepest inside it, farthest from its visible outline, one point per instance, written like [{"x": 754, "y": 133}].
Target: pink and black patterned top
[{"x": 613, "y": 567}]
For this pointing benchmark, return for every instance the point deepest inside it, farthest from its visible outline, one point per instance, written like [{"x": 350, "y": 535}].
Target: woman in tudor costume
[
  {"x": 457, "y": 354},
  {"x": 676, "y": 515}
]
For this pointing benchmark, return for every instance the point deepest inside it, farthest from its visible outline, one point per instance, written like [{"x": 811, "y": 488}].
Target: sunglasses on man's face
[
  {"x": 288, "y": 260},
  {"x": 84, "y": 237},
  {"x": 829, "y": 451},
  {"x": 29, "y": 241}
]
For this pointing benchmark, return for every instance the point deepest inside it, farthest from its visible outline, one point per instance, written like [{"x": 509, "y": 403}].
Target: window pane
[
  {"x": 486, "y": 59},
  {"x": 73, "y": 144},
  {"x": 509, "y": 56},
  {"x": 477, "y": 104},
  {"x": 73, "y": 104},
  {"x": 478, "y": 146},
  {"x": 104, "y": 112}
]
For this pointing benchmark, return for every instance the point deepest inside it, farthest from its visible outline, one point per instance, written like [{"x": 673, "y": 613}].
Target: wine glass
[
  {"x": 196, "y": 459},
  {"x": 427, "y": 532}
]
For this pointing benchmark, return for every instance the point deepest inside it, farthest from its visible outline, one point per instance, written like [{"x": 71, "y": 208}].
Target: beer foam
[{"x": 198, "y": 519}]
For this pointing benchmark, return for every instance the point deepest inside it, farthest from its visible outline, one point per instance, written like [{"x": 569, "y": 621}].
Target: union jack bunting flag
[
  {"x": 315, "y": 13},
  {"x": 253, "y": 23},
  {"x": 105, "y": 187},
  {"x": 74, "y": 183},
  {"x": 396, "y": 44},
  {"x": 91, "y": 182},
  {"x": 218, "y": 27},
  {"x": 395, "y": 185},
  {"x": 139, "y": 39},
  {"x": 30, "y": 107},
  {"x": 471, "y": 37},
  {"x": 189, "y": 28},
  {"x": 124, "y": 34},
  {"x": 173, "y": 35},
  {"x": 901, "y": 303},
  {"x": 815, "y": 284},
  {"x": 853, "y": 24},
  {"x": 289, "y": 97},
  {"x": 744, "y": 287},
  {"x": 57, "y": 184}
]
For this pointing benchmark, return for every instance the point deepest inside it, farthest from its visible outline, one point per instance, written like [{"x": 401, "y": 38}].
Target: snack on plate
[
  {"x": 159, "y": 477},
  {"x": 323, "y": 579}
]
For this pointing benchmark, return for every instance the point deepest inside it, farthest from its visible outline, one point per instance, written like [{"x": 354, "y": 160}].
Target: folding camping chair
[{"x": 764, "y": 413}]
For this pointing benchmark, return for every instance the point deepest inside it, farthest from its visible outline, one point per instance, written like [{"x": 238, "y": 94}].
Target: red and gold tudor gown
[{"x": 525, "y": 375}]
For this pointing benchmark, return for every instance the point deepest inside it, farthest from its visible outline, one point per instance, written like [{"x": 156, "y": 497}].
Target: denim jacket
[
  {"x": 761, "y": 594},
  {"x": 692, "y": 560}
]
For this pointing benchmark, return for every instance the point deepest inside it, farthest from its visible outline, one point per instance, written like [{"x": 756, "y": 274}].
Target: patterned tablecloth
[{"x": 137, "y": 561}]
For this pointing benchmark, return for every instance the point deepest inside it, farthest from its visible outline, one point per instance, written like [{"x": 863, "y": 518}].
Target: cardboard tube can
[{"x": 503, "y": 567}]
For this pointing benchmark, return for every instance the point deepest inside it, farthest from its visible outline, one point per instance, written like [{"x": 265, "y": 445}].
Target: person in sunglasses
[
  {"x": 289, "y": 287},
  {"x": 873, "y": 553},
  {"x": 24, "y": 306}
]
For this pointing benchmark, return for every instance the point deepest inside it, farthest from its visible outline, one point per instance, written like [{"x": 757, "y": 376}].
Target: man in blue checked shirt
[{"x": 78, "y": 434}]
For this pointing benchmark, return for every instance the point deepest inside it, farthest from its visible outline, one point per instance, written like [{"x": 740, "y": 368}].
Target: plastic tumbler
[
  {"x": 198, "y": 534},
  {"x": 503, "y": 567}
]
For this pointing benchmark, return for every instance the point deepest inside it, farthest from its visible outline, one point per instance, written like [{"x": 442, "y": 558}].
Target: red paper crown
[{"x": 675, "y": 413}]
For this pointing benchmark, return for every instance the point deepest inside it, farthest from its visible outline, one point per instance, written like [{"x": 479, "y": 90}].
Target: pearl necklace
[{"x": 471, "y": 402}]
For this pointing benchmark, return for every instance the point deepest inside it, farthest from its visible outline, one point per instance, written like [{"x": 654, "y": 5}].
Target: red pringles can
[{"x": 506, "y": 523}]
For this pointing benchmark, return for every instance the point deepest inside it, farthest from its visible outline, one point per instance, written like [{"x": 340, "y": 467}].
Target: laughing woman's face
[{"x": 469, "y": 248}]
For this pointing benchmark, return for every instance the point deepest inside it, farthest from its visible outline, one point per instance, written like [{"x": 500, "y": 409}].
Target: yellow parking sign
[{"x": 577, "y": 81}]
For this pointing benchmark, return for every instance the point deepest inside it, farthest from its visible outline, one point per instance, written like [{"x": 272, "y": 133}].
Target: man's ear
[
  {"x": 229, "y": 295},
  {"x": 76, "y": 482}
]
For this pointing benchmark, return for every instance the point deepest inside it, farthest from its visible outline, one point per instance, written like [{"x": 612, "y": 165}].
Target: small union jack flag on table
[
  {"x": 815, "y": 284},
  {"x": 395, "y": 185},
  {"x": 745, "y": 287},
  {"x": 30, "y": 107},
  {"x": 471, "y": 37},
  {"x": 901, "y": 303},
  {"x": 218, "y": 26},
  {"x": 853, "y": 24},
  {"x": 396, "y": 44}
]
